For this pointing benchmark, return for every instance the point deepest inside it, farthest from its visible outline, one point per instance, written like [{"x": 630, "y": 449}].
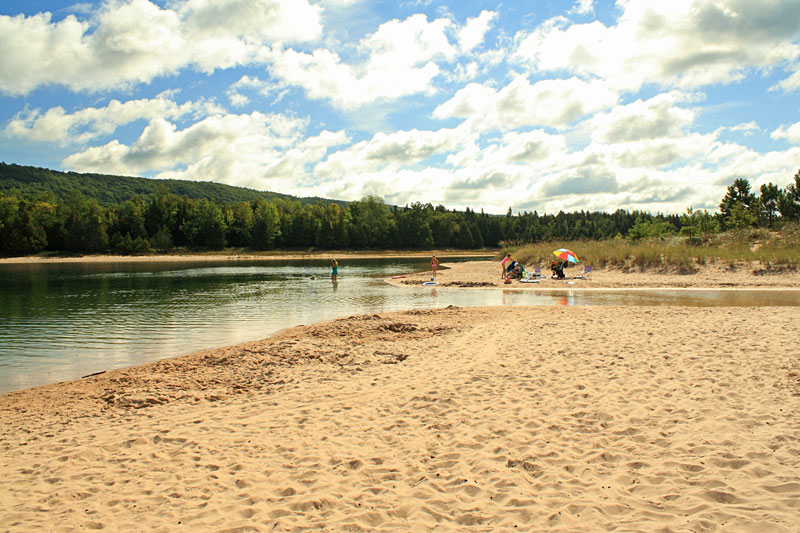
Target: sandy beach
[
  {"x": 455, "y": 419},
  {"x": 486, "y": 274}
]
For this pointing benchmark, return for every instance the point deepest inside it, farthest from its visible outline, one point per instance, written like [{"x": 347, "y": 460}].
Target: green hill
[{"x": 34, "y": 183}]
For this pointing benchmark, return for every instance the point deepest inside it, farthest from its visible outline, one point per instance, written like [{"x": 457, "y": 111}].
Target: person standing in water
[
  {"x": 334, "y": 270},
  {"x": 434, "y": 264}
]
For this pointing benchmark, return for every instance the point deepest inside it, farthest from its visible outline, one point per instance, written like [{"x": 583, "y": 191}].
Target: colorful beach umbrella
[{"x": 566, "y": 255}]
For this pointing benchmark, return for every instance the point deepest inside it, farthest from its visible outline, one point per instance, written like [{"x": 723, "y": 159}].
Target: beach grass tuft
[{"x": 771, "y": 250}]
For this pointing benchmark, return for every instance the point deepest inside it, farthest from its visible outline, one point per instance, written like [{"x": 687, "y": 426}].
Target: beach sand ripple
[{"x": 490, "y": 419}]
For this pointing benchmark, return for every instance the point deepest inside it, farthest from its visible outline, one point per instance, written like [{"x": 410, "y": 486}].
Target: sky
[{"x": 533, "y": 105}]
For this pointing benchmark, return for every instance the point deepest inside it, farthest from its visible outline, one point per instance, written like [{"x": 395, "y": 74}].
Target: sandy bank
[
  {"x": 487, "y": 274},
  {"x": 490, "y": 419}
]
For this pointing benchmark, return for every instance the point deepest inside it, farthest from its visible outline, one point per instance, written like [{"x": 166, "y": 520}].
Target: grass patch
[{"x": 774, "y": 250}]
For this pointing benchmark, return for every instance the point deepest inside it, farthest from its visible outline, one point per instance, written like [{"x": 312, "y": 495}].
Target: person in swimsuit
[
  {"x": 434, "y": 264},
  {"x": 505, "y": 260},
  {"x": 334, "y": 270}
]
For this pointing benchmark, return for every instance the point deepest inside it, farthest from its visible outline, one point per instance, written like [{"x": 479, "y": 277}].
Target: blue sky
[{"x": 533, "y": 105}]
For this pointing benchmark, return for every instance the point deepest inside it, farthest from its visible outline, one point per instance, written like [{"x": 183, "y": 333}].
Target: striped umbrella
[{"x": 566, "y": 255}]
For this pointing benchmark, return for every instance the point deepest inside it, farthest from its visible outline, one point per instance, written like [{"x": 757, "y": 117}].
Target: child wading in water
[{"x": 334, "y": 270}]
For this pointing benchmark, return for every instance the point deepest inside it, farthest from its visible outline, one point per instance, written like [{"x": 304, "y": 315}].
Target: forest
[
  {"x": 36, "y": 218},
  {"x": 109, "y": 190}
]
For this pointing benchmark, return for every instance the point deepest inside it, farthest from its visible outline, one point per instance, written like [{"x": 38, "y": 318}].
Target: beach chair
[
  {"x": 537, "y": 272},
  {"x": 587, "y": 273}
]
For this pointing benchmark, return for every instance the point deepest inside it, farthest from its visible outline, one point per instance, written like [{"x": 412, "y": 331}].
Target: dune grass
[{"x": 774, "y": 250}]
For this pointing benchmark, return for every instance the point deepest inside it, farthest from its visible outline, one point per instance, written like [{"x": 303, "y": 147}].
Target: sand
[
  {"x": 486, "y": 419},
  {"x": 483, "y": 274}
]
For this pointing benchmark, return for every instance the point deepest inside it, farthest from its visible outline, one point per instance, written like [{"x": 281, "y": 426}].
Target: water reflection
[
  {"x": 62, "y": 321},
  {"x": 660, "y": 297}
]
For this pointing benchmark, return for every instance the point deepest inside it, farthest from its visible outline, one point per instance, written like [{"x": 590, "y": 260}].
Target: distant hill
[{"x": 35, "y": 182}]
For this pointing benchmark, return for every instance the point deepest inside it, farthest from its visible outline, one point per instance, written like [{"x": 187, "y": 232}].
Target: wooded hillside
[{"x": 34, "y": 183}]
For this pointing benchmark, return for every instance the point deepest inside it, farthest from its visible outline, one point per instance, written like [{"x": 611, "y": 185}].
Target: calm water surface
[{"x": 64, "y": 321}]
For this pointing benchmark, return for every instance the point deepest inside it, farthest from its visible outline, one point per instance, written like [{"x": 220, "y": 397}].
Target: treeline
[
  {"x": 740, "y": 208},
  {"x": 166, "y": 221}
]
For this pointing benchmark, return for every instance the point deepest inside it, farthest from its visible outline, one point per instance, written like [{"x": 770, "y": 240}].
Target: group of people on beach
[{"x": 511, "y": 269}]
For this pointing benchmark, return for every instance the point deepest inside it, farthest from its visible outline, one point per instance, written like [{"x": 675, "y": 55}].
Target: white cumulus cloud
[
  {"x": 686, "y": 43},
  {"x": 555, "y": 103},
  {"x": 792, "y": 83},
  {"x": 389, "y": 150},
  {"x": 252, "y": 150},
  {"x": 651, "y": 119},
  {"x": 399, "y": 59},
  {"x": 790, "y": 133},
  {"x": 133, "y": 41},
  {"x": 473, "y": 32},
  {"x": 57, "y": 125}
]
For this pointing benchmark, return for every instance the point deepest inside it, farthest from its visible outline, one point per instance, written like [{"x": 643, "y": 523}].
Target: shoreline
[{"x": 104, "y": 258}]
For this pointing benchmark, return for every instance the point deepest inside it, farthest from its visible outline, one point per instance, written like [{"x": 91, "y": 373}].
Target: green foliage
[
  {"x": 125, "y": 245},
  {"x": 266, "y": 225},
  {"x": 413, "y": 225},
  {"x": 129, "y": 219},
  {"x": 333, "y": 229},
  {"x": 696, "y": 225},
  {"x": 650, "y": 229},
  {"x": 241, "y": 222},
  {"x": 162, "y": 212},
  {"x": 110, "y": 191},
  {"x": 86, "y": 225},
  {"x": 45, "y": 210},
  {"x": 769, "y": 203},
  {"x": 21, "y": 229},
  {"x": 789, "y": 201},
  {"x": 205, "y": 226},
  {"x": 740, "y": 216},
  {"x": 372, "y": 223},
  {"x": 162, "y": 240},
  {"x": 738, "y": 206}
]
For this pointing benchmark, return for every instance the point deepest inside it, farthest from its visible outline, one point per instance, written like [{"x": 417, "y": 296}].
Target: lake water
[{"x": 62, "y": 321}]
